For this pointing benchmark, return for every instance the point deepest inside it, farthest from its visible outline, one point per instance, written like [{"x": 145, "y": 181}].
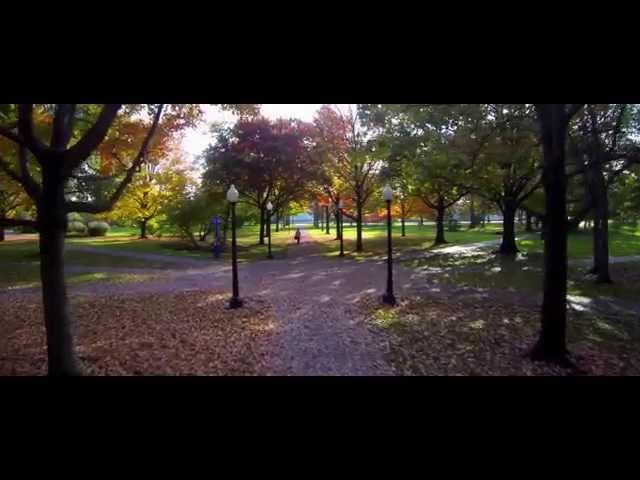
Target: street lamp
[
  {"x": 232, "y": 198},
  {"x": 269, "y": 209},
  {"x": 341, "y": 221},
  {"x": 388, "y": 297}
]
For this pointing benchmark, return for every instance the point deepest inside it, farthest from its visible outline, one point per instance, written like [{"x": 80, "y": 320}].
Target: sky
[{"x": 196, "y": 140}]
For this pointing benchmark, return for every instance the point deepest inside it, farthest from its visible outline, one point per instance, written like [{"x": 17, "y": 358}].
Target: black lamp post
[
  {"x": 269, "y": 209},
  {"x": 232, "y": 198},
  {"x": 388, "y": 297},
  {"x": 341, "y": 221}
]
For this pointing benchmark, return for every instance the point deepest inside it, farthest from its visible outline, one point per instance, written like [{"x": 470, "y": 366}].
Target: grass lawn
[
  {"x": 20, "y": 264},
  {"x": 623, "y": 241},
  {"x": 374, "y": 238}
]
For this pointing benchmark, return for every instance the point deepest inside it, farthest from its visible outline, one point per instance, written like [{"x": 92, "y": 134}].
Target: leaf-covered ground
[
  {"x": 427, "y": 336},
  {"x": 188, "y": 333}
]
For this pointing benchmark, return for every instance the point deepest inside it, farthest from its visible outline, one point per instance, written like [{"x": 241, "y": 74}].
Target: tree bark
[
  {"x": 52, "y": 222},
  {"x": 326, "y": 220},
  {"x": 508, "y": 245},
  {"x": 421, "y": 221},
  {"x": 600, "y": 226},
  {"x": 440, "y": 211},
  {"x": 336, "y": 215},
  {"x": 262, "y": 225},
  {"x": 277, "y": 221},
  {"x": 528, "y": 224},
  {"x": 551, "y": 345},
  {"x": 1, "y": 233},
  {"x": 402, "y": 218},
  {"x": 473, "y": 218},
  {"x": 359, "y": 246},
  {"x": 143, "y": 229}
]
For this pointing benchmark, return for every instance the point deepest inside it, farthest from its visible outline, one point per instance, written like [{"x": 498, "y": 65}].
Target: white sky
[{"x": 196, "y": 140}]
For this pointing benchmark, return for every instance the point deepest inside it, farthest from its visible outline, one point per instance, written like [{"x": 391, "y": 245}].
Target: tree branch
[
  {"x": 140, "y": 157},
  {"x": 25, "y": 129},
  {"x": 77, "y": 154}
]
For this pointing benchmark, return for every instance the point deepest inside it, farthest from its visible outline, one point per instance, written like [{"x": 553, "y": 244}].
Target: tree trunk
[
  {"x": 277, "y": 221},
  {"x": 528, "y": 224},
  {"x": 326, "y": 220},
  {"x": 421, "y": 221},
  {"x": 551, "y": 345},
  {"x": 402, "y": 219},
  {"x": 359, "y": 247},
  {"x": 508, "y": 245},
  {"x": 336, "y": 216},
  {"x": 1, "y": 233},
  {"x": 440, "y": 210},
  {"x": 600, "y": 225},
  {"x": 52, "y": 222},
  {"x": 143, "y": 229},
  {"x": 262, "y": 223},
  {"x": 473, "y": 218}
]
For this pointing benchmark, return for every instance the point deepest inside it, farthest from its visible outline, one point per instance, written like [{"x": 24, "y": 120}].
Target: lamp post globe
[
  {"x": 232, "y": 197},
  {"x": 389, "y": 298},
  {"x": 269, "y": 207}
]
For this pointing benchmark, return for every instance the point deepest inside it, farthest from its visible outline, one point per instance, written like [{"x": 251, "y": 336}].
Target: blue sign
[{"x": 216, "y": 220}]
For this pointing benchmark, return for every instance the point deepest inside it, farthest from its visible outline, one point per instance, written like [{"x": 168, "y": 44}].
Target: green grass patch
[
  {"x": 623, "y": 242},
  {"x": 374, "y": 238}
]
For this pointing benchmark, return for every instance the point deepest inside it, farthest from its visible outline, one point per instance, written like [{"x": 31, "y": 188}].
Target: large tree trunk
[
  {"x": 600, "y": 225},
  {"x": 508, "y": 245},
  {"x": 359, "y": 247},
  {"x": 336, "y": 216},
  {"x": 402, "y": 218},
  {"x": 551, "y": 345},
  {"x": 277, "y": 221},
  {"x": 1, "y": 233},
  {"x": 52, "y": 222},
  {"x": 143, "y": 229},
  {"x": 440, "y": 211}
]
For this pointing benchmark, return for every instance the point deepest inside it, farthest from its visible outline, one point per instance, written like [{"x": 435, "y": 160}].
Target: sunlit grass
[{"x": 623, "y": 241}]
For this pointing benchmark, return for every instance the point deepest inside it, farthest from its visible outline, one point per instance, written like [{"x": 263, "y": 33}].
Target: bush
[
  {"x": 75, "y": 217},
  {"x": 152, "y": 228},
  {"x": 98, "y": 229},
  {"x": 77, "y": 227}
]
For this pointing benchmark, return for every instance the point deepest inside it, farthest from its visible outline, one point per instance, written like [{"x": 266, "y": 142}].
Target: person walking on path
[{"x": 297, "y": 235}]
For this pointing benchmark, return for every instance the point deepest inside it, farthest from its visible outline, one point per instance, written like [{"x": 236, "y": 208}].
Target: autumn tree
[
  {"x": 12, "y": 197},
  {"x": 266, "y": 161},
  {"x": 51, "y": 148},
  {"x": 152, "y": 191},
  {"x": 352, "y": 161}
]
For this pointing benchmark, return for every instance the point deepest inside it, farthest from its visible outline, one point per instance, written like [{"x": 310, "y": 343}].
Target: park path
[{"x": 320, "y": 329}]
